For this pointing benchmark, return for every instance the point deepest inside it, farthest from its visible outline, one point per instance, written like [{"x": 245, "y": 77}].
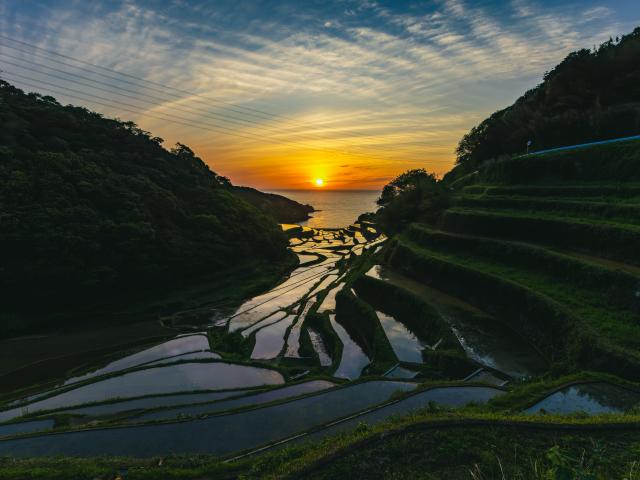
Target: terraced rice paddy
[
  {"x": 184, "y": 377},
  {"x": 219, "y": 435},
  {"x": 248, "y": 400},
  {"x": 271, "y": 339},
  {"x": 423, "y": 306},
  {"x": 405, "y": 344},
  {"x": 353, "y": 359},
  {"x": 483, "y": 339},
  {"x": 25, "y": 427},
  {"x": 592, "y": 398},
  {"x": 449, "y": 396}
]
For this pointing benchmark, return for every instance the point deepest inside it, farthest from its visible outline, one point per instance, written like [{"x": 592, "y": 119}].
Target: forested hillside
[
  {"x": 591, "y": 95},
  {"x": 91, "y": 207}
]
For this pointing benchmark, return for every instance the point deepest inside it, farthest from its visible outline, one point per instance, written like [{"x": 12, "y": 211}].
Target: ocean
[{"x": 337, "y": 208}]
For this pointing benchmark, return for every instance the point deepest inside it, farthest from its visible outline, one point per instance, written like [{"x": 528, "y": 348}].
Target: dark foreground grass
[
  {"x": 431, "y": 444},
  {"x": 491, "y": 452}
]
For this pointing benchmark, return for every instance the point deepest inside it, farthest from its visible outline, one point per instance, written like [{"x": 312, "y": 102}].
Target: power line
[
  {"x": 123, "y": 107},
  {"x": 236, "y": 107},
  {"x": 86, "y": 97},
  {"x": 136, "y": 96},
  {"x": 138, "y": 78}
]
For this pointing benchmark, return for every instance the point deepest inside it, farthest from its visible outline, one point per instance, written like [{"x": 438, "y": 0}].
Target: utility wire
[
  {"x": 237, "y": 108},
  {"x": 86, "y": 97},
  {"x": 136, "y": 96}
]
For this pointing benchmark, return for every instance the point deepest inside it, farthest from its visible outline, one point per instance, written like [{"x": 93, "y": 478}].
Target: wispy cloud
[{"x": 349, "y": 82}]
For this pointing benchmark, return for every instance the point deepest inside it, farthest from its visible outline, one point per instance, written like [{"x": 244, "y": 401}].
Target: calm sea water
[{"x": 338, "y": 208}]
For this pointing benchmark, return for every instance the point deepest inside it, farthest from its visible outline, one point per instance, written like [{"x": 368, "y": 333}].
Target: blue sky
[{"x": 354, "y": 91}]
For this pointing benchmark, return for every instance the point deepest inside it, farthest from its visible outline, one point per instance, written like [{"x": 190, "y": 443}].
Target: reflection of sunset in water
[{"x": 336, "y": 208}]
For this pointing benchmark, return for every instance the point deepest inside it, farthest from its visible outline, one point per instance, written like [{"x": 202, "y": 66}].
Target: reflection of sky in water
[
  {"x": 353, "y": 358},
  {"x": 318, "y": 346},
  {"x": 329, "y": 302},
  {"x": 405, "y": 344},
  {"x": 177, "y": 346},
  {"x": 257, "y": 399},
  {"x": 337, "y": 208},
  {"x": 270, "y": 339},
  {"x": 25, "y": 427},
  {"x": 450, "y": 396},
  {"x": 216, "y": 435},
  {"x": 590, "y": 398},
  {"x": 151, "y": 402},
  {"x": 153, "y": 381},
  {"x": 487, "y": 342}
]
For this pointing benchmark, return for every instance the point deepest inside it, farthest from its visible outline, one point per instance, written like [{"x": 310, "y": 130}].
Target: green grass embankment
[{"x": 567, "y": 324}]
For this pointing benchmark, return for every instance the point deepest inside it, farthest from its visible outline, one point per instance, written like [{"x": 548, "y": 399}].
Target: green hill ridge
[{"x": 92, "y": 208}]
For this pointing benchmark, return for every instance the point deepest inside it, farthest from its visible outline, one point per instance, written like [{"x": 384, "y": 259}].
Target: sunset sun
[{"x": 319, "y": 182}]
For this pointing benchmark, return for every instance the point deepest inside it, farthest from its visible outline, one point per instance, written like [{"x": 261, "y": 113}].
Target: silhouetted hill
[{"x": 91, "y": 206}]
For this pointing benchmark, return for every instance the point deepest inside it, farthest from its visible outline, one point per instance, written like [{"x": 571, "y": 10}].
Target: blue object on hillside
[{"x": 572, "y": 147}]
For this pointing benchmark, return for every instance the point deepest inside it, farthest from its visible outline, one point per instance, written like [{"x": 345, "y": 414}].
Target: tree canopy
[
  {"x": 415, "y": 194},
  {"x": 91, "y": 206},
  {"x": 591, "y": 95}
]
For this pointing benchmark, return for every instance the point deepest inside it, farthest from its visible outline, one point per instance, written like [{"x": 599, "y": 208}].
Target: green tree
[{"x": 413, "y": 195}]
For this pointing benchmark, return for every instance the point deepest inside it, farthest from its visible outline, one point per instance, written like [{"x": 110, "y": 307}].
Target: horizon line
[{"x": 321, "y": 189}]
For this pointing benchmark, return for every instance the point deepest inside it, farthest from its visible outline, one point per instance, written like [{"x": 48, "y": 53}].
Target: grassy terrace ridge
[
  {"x": 617, "y": 285},
  {"x": 587, "y": 303},
  {"x": 603, "y": 238},
  {"x": 578, "y": 319},
  {"x": 544, "y": 216},
  {"x": 616, "y": 194},
  {"x": 625, "y": 213}
]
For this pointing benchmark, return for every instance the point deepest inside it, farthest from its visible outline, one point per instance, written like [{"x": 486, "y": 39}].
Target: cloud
[
  {"x": 597, "y": 13},
  {"x": 383, "y": 84}
]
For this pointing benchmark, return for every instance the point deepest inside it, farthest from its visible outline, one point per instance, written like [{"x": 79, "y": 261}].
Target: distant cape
[{"x": 283, "y": 209}]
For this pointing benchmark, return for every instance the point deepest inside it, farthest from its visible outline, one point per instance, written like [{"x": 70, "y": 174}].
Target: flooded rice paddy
[
  {"x": 483, "y": 338},
  {"x": 219, "y": 435},
  {"x": 151, "y": 402},
  {"x": 179, "y": 346},
  {"x": 248, "y": 400},
  {"x": 405, "y": 344},
  {"x": 270, "y": 339},
  {"x": 446, "y": 396},
  {"x": 181, "y": 396},
  {"x": 592, "y": 398},
  {"x": 353, "y": 359},
  {"x": 25, "y": 427},
  {"x": 156, "y": 380}
]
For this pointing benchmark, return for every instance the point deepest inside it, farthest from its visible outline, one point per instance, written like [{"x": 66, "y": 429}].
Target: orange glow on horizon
[
  {"x": 295, "y": 166},
  {"x": 275, "y": 169}
]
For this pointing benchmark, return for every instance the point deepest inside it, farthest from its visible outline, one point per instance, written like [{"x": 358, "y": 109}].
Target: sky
[{"x": 276, "y": 94}]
